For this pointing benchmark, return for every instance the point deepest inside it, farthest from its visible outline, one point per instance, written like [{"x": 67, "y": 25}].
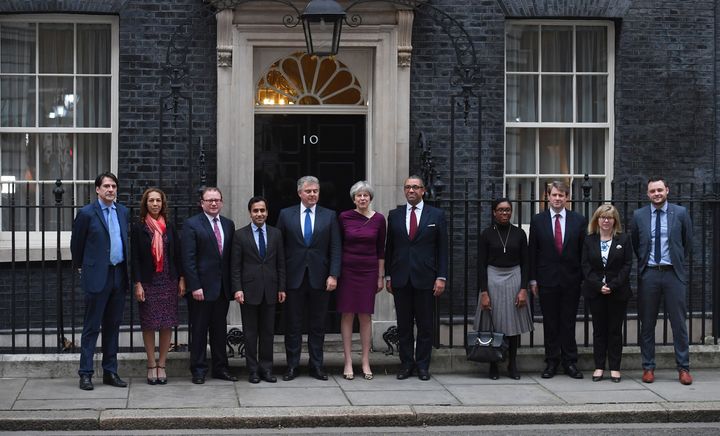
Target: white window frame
[
  {"x": 608, "y": 125},
  {"x": 29, "y": 244}
]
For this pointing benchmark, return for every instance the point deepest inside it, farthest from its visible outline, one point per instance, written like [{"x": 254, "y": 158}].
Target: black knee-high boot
[{"x": 514, "y": 342}]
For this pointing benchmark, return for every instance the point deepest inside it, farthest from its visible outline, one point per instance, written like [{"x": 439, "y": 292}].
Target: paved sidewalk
[{"x": 447, "y": 399}]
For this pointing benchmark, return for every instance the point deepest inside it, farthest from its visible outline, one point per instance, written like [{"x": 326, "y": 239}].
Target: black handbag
[{"x": 486, "y": 346}]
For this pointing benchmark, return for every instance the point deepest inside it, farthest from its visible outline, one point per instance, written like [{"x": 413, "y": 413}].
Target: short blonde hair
[{"x": 605, "y": 210}]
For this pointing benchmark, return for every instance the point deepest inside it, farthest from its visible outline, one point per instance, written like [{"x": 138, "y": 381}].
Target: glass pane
[
  {"x": 22, "y": 216},
  {"x": 556, "y": 48},
  {"x": 50, "y": 216},
  {"x": 520, "y": 151},
  {"x": 595, "y": 194},
  {"x": 555, "y": 151},
  {"x": 56, "y": 156},
  {"x": 93, "y": 155},
  {"x": 591, "y": 48},
  {"x": 18, "y": 101},
  {"x": 93, "y": 102},
  {"x": 592, "y": 98},
  {"x": 557, "y": 98},
  {"x": 18, "y": 158},
  {"x": 520, "y": 191},
  {"x": 521, "y": 48},
  {"x": 85, "y": 193},
  {"x": 589, "y": 146},
  {"x": 17, "y": 45},
  {"x": 53, "y": 109},
  {"x": 521, "y": 98},
  {"x": 94, "y": 48},
  {"x": 56, "y": 48}
]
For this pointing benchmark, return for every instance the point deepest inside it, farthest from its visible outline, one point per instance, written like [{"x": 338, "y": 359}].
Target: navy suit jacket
[
  {"x": 548, "y": 267},
  {"x": 679, "y": 237},
  {"x": 90, "y": 245},
  {"x": 255, "y": 276},
  {"x": 420, "y": 261},
  {"x": 324, "y": 255},
  {"x": 616, "y": 272},
  {"x": 202, "y": 263}
]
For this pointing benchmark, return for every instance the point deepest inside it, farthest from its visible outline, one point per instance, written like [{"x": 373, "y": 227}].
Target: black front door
[{"x": 329, "y": 147}]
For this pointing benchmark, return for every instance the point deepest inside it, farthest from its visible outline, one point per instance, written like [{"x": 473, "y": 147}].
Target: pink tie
[
  {"x": 558, "y": 234},
  {"x": 413, "y": 223},
  {"x": 218, "y": 236}
]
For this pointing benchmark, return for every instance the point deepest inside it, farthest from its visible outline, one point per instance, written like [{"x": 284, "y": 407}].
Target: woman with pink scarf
[{"x": 157, "y": 279}]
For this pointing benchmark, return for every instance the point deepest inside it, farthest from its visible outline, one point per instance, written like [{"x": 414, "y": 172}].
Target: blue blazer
[
  {"x": 548, "y": 267},
  {"x": 90, "y": 245},
  {"x": 324, "y": 255},
  {"x": 420, "y": 261},
  {"x": 202, "y": 263},
  {"x": 679, "y": 237}
]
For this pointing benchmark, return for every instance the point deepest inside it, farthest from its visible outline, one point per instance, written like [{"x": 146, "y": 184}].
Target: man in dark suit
[
  {"x": 416, "y": 266},
  {"x": 99, "y": 250},
  {"x": 555, "y": 251},
  {"x": 206, "y": 246},
  {"x": 311, "y": 237},
  {"x": 662, "y": 238},
  {"x": 258, "y": 277}
]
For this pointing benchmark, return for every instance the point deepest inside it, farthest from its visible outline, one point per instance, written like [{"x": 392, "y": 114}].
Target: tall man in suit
[
  {"x": 662, "y": 238},
  {"x": 311, "y": 237},
  {"x": 555, "y": 251},
  {"x": 206, "y": 246},
  {"x": 99, "y": 247},
  {"x": 258, "y": 277},
  {"x": 416, "y": 266}
]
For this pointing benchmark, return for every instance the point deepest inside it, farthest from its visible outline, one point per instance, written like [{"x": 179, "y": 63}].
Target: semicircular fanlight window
[{"x": 308, "y": 80}]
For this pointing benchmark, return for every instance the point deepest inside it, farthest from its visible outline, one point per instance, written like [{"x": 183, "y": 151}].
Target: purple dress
[
  {"x": 160, "y": 309},
  {"x": 363, "y": 245}
]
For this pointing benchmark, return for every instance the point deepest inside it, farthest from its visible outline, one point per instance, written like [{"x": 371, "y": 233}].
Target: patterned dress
[{"x": 160, "y": 308}]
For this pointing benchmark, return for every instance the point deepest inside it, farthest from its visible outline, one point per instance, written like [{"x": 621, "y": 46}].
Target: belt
[{"x": 661, "y": 268}]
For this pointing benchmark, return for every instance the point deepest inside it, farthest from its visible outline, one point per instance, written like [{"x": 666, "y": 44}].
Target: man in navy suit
[
  {"x": 258, "y": 278},
  {"x": 99, "y": 250},
  {"x": 311, "y": 237},
  {"x": 206, "y": 246},
  {"x": 555, "y": 251},
  {"x": 416, "y": 266},
  {"x": 662, "y": 238}
]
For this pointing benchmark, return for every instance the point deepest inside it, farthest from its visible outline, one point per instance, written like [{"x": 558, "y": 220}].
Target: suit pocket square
[
  {"x": 431, "y": 225},
  {"x": 618, "y": 246}
]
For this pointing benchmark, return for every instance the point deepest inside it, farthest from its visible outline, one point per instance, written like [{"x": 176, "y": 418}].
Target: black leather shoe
[
  {"x": 549, "y": 372},
  {"x": 225, "y": 375},
  {"x": 318, "y": 373},
  {"x": 423, "y": 374},
  {"x": 291, "y": 373},
  {"x": 198, "y": 379},
  {"x": 268, "y": 377},
  {"x": 112, "y": 379},
  {"x": 572, "y": 371},
  {"x": 86, "y": 382},
  {"x": 404, "y": 373},
  {"x": 254, "y": 378},
  {"x": 493, "y": 373},
  {"x": 513, "y": 372}
]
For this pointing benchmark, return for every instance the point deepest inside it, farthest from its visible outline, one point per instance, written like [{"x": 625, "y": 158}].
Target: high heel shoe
[
  {"x": 348, "y": 376},
  {"x": 161, "y": 380},
  {"x": 597, "y": 378},
  {"x": 368, "y": 375},
  {"x": 615, "y": 379},
  {"x": 152, "y": 380}
]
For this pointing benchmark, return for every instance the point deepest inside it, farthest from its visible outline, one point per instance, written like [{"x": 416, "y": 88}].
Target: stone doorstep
[{"x": 444, "y": 361}]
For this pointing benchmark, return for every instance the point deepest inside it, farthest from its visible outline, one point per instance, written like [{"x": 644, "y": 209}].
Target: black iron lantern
[{"x": 322, "y": 23}]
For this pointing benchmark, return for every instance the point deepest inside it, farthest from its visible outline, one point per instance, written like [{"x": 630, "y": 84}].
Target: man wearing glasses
[
  {"x": 416, "y": 265},
  {"x": 207, "y": 243}
]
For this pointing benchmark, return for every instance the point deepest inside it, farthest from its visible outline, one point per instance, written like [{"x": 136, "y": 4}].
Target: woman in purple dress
[
  {"x": 363, "y": 270},
  {"x": 157, "y": 278}
]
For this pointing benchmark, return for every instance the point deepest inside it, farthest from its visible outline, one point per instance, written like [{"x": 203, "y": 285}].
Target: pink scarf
[{"x": 157, "y": 227}]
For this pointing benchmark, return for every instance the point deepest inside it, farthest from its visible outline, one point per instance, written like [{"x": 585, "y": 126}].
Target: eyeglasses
[
  {"x": 213, "y": 200},
  {"x": 413, "y": 187},
  {"x": 606, "y": 218},
  {"x": 504, "y": 210}
]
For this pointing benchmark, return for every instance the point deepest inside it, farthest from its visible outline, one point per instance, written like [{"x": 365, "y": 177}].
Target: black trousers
[
  {"x": 608, "y": 315},
  {"x": 559, "y": 307},
  {"x": 259, "y": 323},
  {"x": 208, "y": 317},
  {"x": 414, "y": 307},
  {"x": 315, "y": 301}
]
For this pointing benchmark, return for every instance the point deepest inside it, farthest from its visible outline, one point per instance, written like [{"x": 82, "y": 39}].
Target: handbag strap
[{"x": 492, "y": 324}]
